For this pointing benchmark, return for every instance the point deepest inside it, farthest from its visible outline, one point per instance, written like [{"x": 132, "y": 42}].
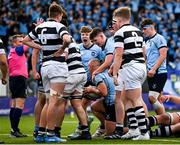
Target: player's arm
[
  {"x": 3, "y": 67},
  {"x": 34, "y": 60},
  {"x": 170, "y": 98},
  {"x": 29, "y": 42},
  {"x": 162, "y": 57},
  {"x": 117, "y": 62},
  {"x": 100, "y": 90},
  {"x": 106, "y": 64}
]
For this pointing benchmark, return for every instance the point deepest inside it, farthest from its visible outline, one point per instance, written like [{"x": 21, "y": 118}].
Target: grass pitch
[{"x": 69, "y": 125}]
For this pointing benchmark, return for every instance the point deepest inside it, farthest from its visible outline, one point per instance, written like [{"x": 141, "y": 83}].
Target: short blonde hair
[
  {"x": 123, "y": 12},
  {"x": 55, "y": 10},
  {"x": 85, "y": 29}
]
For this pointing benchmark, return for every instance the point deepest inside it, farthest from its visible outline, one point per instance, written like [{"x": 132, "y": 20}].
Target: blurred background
[{"x": 17, "y": 17}]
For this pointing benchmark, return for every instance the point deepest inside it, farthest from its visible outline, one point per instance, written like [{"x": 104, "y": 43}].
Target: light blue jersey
[
  {"x": 108, "y": 48},
  {"x": 87, "y": 54},
  {"x": 105, "y": 78},
  {"x": 152, "y": 52}
]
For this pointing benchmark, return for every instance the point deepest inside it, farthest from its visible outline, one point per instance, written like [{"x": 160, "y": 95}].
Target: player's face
[
  {"x": 85, "y": 38},
  {"x": 117, "y": 23},
  {"x": 147, "y": 31},
  {"x": 98, "y": 40},
  {"x": 18, "y": 41}
]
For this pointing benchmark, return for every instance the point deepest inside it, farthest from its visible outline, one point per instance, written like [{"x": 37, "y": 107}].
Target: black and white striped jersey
[
  {"x": 74, "y": 62},
  {"x": 49, "y": 35},
  {"x": 2, "y": 51},
  {"x": 131, "y": 39}
]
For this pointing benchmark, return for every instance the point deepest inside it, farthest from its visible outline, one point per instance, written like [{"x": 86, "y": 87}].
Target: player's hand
[
  {"x": 4, "y": 81},
  {"x": 39, "y": 21},
  {"x": 110, "y": 71},
  {"x": 88, "y": 89},
  {"x": 163, "y": 99},
  {"x": 36, "y": 75},
  {"x": 58, "y": 53},
  {"x": 151, "y": 73},
  {"x": 115, "y": 79},
  {"x": 93, "y": 75}
]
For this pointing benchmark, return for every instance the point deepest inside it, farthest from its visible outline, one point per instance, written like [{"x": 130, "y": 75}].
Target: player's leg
[
  {"x": 98, "y": 110},
  {"x": 155, "y": 89}
]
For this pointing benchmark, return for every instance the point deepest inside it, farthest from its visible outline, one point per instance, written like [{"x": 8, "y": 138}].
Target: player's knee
[
  {"x": 55, "y": 93},
  {"x": 153, "y": 96}
]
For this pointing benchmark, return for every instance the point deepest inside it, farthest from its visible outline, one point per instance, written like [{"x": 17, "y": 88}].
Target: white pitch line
[{"x": 165, "y": 140}]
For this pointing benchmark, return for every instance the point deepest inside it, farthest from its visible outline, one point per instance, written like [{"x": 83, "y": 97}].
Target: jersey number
[
  {"x": 136, "y": 39},
  {"x": 43, "y": 37}
]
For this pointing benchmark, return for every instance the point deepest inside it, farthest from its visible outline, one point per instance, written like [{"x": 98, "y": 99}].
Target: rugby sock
[
  {"x": 163, "y": 131},
  {"x": 102, "y": 126},
  {"x": 41, "y": 131},
  {"x": 133, "y": 124},
  {"x": 11, "y": 116},
  {"x": 140, "y": 115},
  {"x": 119, "y": 127},
  {"x": 50, "y": 133},
  {"x": 57, "y": 131},
  {"x": 84, "y": 128},
  {"x": 151, "y": 121},
  {"x": 17, "y": 116}
]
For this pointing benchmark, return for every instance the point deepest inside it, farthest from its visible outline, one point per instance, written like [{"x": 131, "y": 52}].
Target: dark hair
[
  {"x": 95, "y": 32},
  {"x": 147, "y": 22}
]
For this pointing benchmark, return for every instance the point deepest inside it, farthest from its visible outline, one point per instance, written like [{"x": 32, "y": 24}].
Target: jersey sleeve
[
  {"x": 110, "y": 47},
  {"x": 62, "y": 31},
  {"x": 33, "y": 35},
  {"x": 98, "y": 79},
  {"x": 161, "y": 42},
  {"x": 118, "y": 40}
]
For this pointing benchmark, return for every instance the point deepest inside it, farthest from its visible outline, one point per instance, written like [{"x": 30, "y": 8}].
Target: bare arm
[
  {"x": 27, "y": 41},
  {"x": 162, "y": 57},
  {"x": 34, "y": 60},
  {"x": 117, "y": 63},
  {"x": 170, "y": 98},
  {"x": 3, "y": 67},
  {"x": 101, "y": 89},
  {"x": 106, "y": 64}
]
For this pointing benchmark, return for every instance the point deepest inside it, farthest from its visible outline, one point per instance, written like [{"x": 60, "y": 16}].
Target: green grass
[{"x": 69, "y": 125}]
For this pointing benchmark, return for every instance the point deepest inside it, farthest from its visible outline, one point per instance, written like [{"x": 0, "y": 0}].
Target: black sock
[
  {"x": 119, "y": 127},
  {"x": 133, "y": 123},
  {"x": 57, "y": 131},
  {"x": 17, "y": 116},
  {"x": 84, "y": 128},
  {"x": 102, "y": 126},
  {"x": 50, "y": 132},
  {"x": 151, "y": 121},
  {"x": 140, "y": 115},
  {"x": 42, "y": 131},
  {"x": 11, "y": 117}
]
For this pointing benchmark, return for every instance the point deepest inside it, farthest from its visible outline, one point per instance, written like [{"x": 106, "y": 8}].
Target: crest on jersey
[{"x": 93, "y": 53}]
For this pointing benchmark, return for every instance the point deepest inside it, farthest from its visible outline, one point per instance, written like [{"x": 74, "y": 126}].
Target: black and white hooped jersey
[
  {"x": 74, "y": 62},
  {"x": 49, "y": 36},
  {"x": 131, "y": 39}
]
